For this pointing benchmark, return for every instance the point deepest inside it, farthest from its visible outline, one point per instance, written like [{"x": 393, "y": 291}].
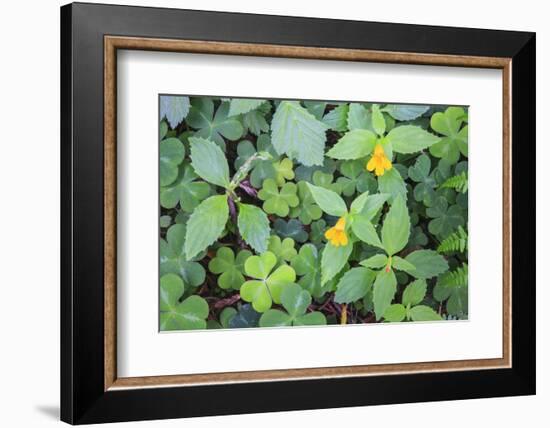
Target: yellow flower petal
[{"x": 371, "y": 164}]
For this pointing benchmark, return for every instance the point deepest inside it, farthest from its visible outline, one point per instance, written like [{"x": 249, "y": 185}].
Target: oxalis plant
[{"x": 297, "y": 213}]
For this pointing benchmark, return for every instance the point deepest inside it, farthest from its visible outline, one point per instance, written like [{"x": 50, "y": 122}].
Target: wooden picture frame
[{"x": 91, "y": 390}]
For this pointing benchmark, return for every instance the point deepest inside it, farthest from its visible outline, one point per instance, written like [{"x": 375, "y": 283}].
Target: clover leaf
[
  {"x": 291, "y": 229},
  {"x": 307, "y": 265},
  {"x": 172, "y": 153},
  {"x": 317, "y": 231},
  {"x": 326, "y": 181},
  {"x": 284, "y": 250},
  {"x": 278, "y": 201},
  {"x": 355, "y": 178},
  {"x": 420, "y": 173},
  {"x": 186, "y": 190},
  {"x": 296, "y": 301},
  {"x": 190, "y": 314},
  {"x": 173, "y": 260},
  {"x": 213, "y": 126},
  {"x": 230, "y": 267},
  {"x": 283, "y": 170},
  {"x": 246, "y": 317},
  {"x": 307, "y": 210},
  {"x": 260, "y": 169},
  {"x": 455, "y": 139},
  {"x": 445, "y": 219},
  {"x": 267, "y": 286}
]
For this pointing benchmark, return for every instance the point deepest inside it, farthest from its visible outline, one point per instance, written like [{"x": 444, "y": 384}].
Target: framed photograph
[{"x": 270, "y": 209}]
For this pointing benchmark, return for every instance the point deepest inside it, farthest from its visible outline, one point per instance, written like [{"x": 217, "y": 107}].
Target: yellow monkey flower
[
  {"x": 337, "y": 234},
  {"x": 379, "y": 163}
]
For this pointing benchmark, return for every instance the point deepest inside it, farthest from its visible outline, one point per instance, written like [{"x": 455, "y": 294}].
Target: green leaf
[
  {"x": 190, "y": 314},
  {"x": 373, "y": 204},
  {"x": 359, "y": 117},
  {"x": 246, "y": 317},
  {"x": 395, "y": 313},
  {"x": 311, "y": 318},
  {"x": 378, "y": 122},
  {"x": 307, "y": 266},
  {"x": 174, "y": 109},
  {"x": 295, "y": 300},
  {"x": 377, "y": 261},
  {"x": 424, "y": 313},
  {"x": 260, "y": 266},
  {"x": 275, "y": 318},
  {"x": 171, "y": 289},
  {"x": 355, "y": 178},
  {"x": 261, "y": 169},
  {"x": 337, "y": 118},
  {"x": 365, "y": 231},
  {"x": 410, "y": 139},
  {"x": 396, "y": 227},
  {"x": 213, "y": 127},
  {"x": 402, "y": 264},
  {"x": 307, "y": 210},
  {"x": 427, "y": 263},
  {"x": 420, "y": 173},
  {"x": 455, "y": 141},
  {"x": 226, "y": 316},
  {"x": 333, "y": 260},
  {"x": 414, "y": 293},
  {"x": 405, "y": 111},
  {"x": 243, "y": 105},
  {"x": 278, "y": 201},
  {"x": 392, "y": 183},
  {"x": 254, "y": 227},
  {"x": 384, "y": 290},
  {"x": 445, "y": 219},
  {"x": 209, "y": 161},
  {"x": 172, "y": 153},
  {"x": 283, "y": 171},
  {"x": 328, "y": 201},
  {"x": 298, "y": 134},
  {"x": 354, "y": 285},
  {"x": 354, "y": 144},
  {"x": 206, "y": 224},
  {"x": 290, "y": 229},
  {"x": 185, "y": 190},
  {"x": 230, "y": 267}
]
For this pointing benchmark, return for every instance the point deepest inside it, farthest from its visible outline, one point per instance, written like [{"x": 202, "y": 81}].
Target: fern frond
[
  {"x": 458, "y": 182},
  {"x": 456, "y": 278},
  {"x": 455, "y": 242}
]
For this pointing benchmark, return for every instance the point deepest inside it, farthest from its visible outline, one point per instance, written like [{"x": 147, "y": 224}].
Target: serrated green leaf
[
  {"x": 243, "y": 105},
  {"x": 337, "y": 118},
  {"x": 395, "y": 313},
  {"x": 359, "y": 117},
  {"x": 405, "y": 111},
  {"x": 410, "y": 139},
  {"x": 427, "y": 263},
  {"x": 384, "y": 290},
  {"x": 354, "y": 144},
  {"x": 354, "y": 285},
  {"x": 378, "y": 122},
  {"x": 329, "y": 201},
  {"x": 333, "y": 260},
  {"x": 392, "y": 183},
  {"x": 423, "y": 313},
  {"x": 298, "y": 134},
  {"x": 254, "y": 227},
  {"x": 375, "y": 262},
  {"x": 174, "y": 109},
  {"x": 209, "y": 162},
  {"x": 206, "y": 224},
  {"x": 396, "y": 227},
  {"x": 365, "y": 231},
  {"x": 402, "y": 264},
  {"x": 414, "y": 292}
]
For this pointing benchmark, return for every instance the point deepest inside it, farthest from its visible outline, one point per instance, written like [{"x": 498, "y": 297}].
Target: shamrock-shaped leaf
[
  {"x": 260, "y": 169},
  {"x": 284, "y": 250},
  {"x": 186, "y": 190},
  {"x": 308, "y": 267},
  {"x": 283, "y": 171},
  {"x": 305, "y": 173},
  {"x": 246, "y": 317},
  {"x": 445, "y": 219},
  {"x": 172, "y": 153},
  {"x": 298, "y": 134},
  {"x": 230, "y": 267},
  {"x": 420, "y": 173},
  {"x": 190, "y": 314},
  {"x": 267, "y": 286},
  {"x": 213, "y": 126},
  {"x": 307, "y": 210},
  {"x": 355, "y": 178},
  {"x": 317, "y": 231},
  {"x": 326, "y": 181},
  {"x": 174, "y": 109},
  {"x": 173, "y": 260},
  {"x": 291, "y": 229},
  {"x": 455, "y": 141},
  {"x": 296, "y": 301},
  {"x": 278, "y": 201}
]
